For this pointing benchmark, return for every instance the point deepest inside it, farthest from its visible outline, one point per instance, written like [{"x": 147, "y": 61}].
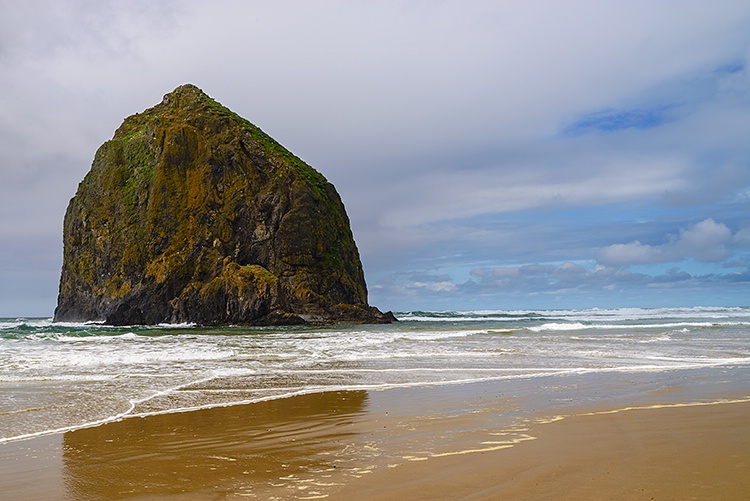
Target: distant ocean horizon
[{"x": 58, "y": 377}]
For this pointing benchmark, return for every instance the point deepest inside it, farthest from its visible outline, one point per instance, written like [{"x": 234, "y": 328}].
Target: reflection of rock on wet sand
[{"x": 230, "y": 449}]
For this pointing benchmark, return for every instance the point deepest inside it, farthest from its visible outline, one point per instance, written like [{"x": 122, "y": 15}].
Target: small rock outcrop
[{"x": 190, "y": 213}]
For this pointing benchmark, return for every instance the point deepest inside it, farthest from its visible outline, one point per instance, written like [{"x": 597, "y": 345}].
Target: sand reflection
[{"x": 291, "y": 444}]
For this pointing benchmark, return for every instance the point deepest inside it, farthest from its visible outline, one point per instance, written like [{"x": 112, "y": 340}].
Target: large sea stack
[{"x": 190, "y": 213}]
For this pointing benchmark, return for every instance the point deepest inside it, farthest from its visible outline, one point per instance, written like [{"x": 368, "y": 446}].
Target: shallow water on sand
[
  {"x": 311, "y": 446},
  {"x": 58, "y": 377}
]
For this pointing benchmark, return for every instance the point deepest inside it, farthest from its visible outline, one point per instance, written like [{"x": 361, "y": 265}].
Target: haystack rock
[{"x": 190, "y": 213}]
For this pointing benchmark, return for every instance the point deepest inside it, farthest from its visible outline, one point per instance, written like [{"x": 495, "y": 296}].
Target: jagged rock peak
[{"x": 190, "y": 213}]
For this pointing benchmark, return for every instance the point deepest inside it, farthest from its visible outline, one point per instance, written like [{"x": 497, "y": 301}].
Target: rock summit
[{"x": 190, "y": 213}]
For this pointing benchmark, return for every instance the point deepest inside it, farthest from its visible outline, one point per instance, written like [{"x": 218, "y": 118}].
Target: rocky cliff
[{"x": 190, "y": 213}]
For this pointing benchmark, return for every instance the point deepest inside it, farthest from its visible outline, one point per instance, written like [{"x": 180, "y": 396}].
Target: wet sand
[
  {"x": 678, "y": 453},
  {"x": 447, "y": 443}
]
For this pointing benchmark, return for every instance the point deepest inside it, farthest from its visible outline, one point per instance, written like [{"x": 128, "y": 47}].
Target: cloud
[
  {"x": 570, "y": 284},
  {"x": 705, "y": 241},
  {"x": 479, "y": 135},
  {"x": 679, "y": 145},
  {"x": 578, "y": 178},
  {"x": 634, "y": 253},
  {"x": 414, "y": 284},
  {"x": 742, "y": 237}
]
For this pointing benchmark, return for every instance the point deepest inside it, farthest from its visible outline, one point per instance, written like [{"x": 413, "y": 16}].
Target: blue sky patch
[
  {"x": 613, "y": 120},
  {"x": 735, "y": 67}
]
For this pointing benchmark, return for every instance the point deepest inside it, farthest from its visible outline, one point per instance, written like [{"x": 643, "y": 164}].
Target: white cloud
[
  {"x": 418, "y": 112},
  {"x": 562, "y": 178},
  {"x": 705, "y": 241},
  {"x": 634, "y": 253}
]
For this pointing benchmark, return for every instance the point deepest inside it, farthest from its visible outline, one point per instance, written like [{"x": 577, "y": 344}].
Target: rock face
[{"x": 190, "y": 213}]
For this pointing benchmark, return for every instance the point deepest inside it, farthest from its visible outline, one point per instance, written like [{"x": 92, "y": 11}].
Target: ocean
[{"x": 60, "y": 377}]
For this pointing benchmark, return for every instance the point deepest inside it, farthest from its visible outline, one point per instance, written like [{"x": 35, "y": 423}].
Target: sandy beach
[
  {"x": 420, "y": 443},
  {"x": 675, "y": 453}
]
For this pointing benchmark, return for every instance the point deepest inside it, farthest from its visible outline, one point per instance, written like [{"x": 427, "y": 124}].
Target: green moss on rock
[{"x": 190, "y": 213}]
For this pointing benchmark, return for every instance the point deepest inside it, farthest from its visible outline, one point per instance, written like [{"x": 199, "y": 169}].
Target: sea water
[{"x": 58, "y": 377}]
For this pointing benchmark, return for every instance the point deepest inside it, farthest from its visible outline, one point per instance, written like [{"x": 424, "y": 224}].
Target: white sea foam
[
  {"x": 116, "y": 372},
  {"x": 674, "y": 325},
  {"x": 616, "y": 315}
]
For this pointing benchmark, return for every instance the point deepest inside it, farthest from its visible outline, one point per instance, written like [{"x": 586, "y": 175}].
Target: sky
[{"x": 490, "y": 154}]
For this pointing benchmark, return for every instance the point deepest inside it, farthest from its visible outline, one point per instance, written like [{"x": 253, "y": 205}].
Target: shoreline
[{"x": 450, "y": 442}]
